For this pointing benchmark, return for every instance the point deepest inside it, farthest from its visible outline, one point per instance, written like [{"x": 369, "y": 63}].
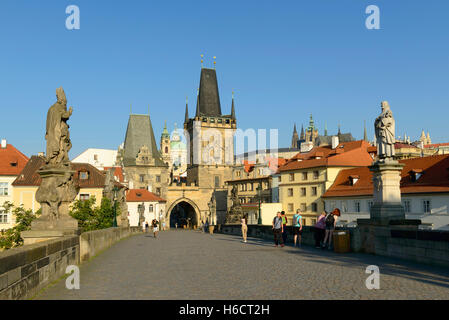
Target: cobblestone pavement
[{"x": 194, "y": 265}]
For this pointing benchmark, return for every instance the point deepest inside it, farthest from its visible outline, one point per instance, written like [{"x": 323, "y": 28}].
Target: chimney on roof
[
  {"x": 335, "y": 142},
  {"x": 4, "y": 143}
]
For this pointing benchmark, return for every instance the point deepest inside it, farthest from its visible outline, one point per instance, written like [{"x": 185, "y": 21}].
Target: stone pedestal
[
  {"x": 387, "y": 193},
  {"x": 55, "y": 194}
]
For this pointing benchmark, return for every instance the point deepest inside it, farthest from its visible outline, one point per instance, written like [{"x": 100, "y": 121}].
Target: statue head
[
  {"x": 60, "y": 96},
  {"x": 385, "y": 106}
]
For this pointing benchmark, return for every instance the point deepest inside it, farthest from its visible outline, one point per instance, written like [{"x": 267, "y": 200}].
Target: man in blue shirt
[{"x": 297, "y": 227}]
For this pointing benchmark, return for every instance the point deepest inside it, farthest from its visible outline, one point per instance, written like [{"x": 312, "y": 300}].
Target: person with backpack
[
  {"x": 330, "y": 221},
  {"x": 320, "y": 229},
  {"x": 297, "y": 228},
  {"x": 278, "y": 228},
  {"x": 284, "y": 229}
]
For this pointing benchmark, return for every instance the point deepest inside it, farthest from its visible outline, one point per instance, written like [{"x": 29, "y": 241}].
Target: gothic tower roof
[
  {"x": 138, "y": 134},
  {"x": 208, "y": 98}
]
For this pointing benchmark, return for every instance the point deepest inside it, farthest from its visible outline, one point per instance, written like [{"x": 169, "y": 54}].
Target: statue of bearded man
[
  {"x": 57, "y": 131},
  {"x": 385, "y": 133}
]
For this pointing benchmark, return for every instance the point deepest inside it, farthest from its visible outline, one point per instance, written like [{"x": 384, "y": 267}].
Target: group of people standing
[
  {"x": 323, "y": 229},
  {"x": 154, "y": 226}
]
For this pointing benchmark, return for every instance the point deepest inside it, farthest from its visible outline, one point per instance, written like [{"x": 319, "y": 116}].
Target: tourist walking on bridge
[
  {"x": 244, "y": 222},
  {"x": 278, "y": 228},
  {"x": 155, "y": 224},
  {"x": 284, "y": 229},
  {"x": 297, "y": 227}
]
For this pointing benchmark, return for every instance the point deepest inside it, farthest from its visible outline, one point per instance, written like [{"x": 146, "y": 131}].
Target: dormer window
[
  {"x": 415, "y": 174},
  {"x": 353, "y": 179},
  {"x": 84, "y": 175},
  {"x": 13, "y": 164}
]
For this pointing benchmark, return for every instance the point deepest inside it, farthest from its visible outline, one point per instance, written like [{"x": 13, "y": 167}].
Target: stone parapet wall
[
  {"x": 24, "y": 271},
  {"x": 93, "y": 242}
]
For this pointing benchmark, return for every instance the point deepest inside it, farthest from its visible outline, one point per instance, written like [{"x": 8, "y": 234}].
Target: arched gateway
[{"x": 183, "y": 211}]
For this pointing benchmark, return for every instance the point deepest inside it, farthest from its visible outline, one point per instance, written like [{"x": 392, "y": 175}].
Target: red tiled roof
[
  {"x": 12, "y": 161},
  {"x": 435, "y": 178},
  {"x": 142, "y": 195},
  {"x": 30, "y": 176},
  {"x": 118, "y": 172},
  {"x": 399, "y": 145},
  {"x": 436, "y": 145},
  {"x": 354, "y": 153},
  {"x": 248, "y": 166}
]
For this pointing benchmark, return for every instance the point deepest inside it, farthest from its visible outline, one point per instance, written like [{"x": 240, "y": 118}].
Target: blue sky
[{"x": 285, "y": 60}]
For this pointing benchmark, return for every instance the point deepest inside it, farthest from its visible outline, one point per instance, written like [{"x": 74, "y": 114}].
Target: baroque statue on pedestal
[
  {"x": 384, "y": 127},
  {"x": 57, "y": 131}
]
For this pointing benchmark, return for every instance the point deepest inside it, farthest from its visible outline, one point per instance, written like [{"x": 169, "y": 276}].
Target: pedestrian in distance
[
  {"x": 297, "y": 228},
  {"x": 146, "y": 227},
  {"x": 143, "y": 227},
  {"x": 244, "y": 222},
  {"x": 331, "y": 222},
  {"x": 155, "y": 225},
  {"x": 320, "y": 229},
  {"x": 284, "y": 229},
  {"x": 278, "y": 228}
]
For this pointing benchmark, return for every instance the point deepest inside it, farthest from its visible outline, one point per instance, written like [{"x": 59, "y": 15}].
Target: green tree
[
  {"x": 11, "y": 237},
  {"x": 91, "y": 217}
]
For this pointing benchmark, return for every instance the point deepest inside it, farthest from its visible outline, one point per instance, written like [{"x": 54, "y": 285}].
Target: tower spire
[
  {"x": 365, "y": 136},
  {"x": 325, "y": 128},
  {"x": 198, "y": 104},
  {"x": 302, "y": 137},
  {"x": 187, "y": 111},
  {"x": 232, "y": 107}
]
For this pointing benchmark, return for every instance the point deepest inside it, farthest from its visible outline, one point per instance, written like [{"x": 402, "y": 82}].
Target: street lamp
[
  {"x": 160, "y": 220},
  {"x": 259, "y": 190},
  {"x": 115, "y": 190}
]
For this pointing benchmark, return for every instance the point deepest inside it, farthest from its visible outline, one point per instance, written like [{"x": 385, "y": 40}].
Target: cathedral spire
[
  {"x": 197, "y": 114},
  {"x": 302, "y": 137},
  {"x": 295, "y": 138}
]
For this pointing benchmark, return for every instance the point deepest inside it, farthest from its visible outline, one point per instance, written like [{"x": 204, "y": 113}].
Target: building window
[
  {"x": 426, "y": 206},
  {"x": 357, "y": 206},
  {"x": 142, "y": 178},
  {"x": 316, "y": 175},
  {"x": 370, "y": 204},
  {"x": 314, "y": 191},
  {"x": 84, "y": 196},
  {"x": 84, "y": 175},
  {"x": 314, "y": 207},
  {"x": 304, "y": 176},
  {"x": 251, "y": 187},
  {"x": 217, "y": 182},
  {"x": 290, "y": 192},
  {"x": 158, "y": 191},
  {"x": 280, "y": 178},
  {"x": 303, "y": 207},
  {"x": 290, "y": 207},
  {"x": 158, "y": 178},
  {"x": 3, "y": 217},
  {"x": 292, "y": 177},
  {"x": 95, "y": 157},
  {"x": 407, "y": 206},
  {"x": 303, "y": 192},
  {"x": 166, "y": 149},
  {"x": 150, "y": 208},
  {"x": 4, "y": 188},
  {"x": 344, "y": 206},
  {"x": 313, "y": 222}
]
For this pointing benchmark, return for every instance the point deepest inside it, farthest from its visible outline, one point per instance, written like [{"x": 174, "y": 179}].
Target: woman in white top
[{"x": 244, "y": 222}]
